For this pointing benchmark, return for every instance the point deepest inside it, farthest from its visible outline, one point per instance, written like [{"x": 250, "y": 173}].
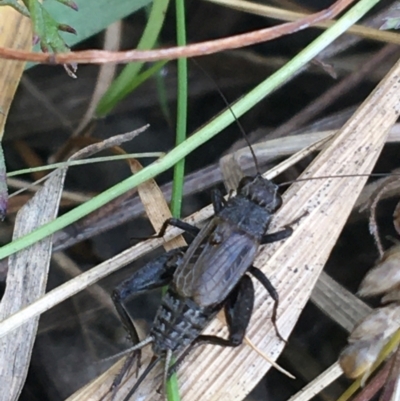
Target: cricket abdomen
[{"x": 178, "y": 322}]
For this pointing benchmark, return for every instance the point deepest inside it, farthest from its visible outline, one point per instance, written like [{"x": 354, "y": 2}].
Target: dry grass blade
[
  {"x": 343, "y": 307},
  {"x": 339, "y": 304},
  {"x": 15, "y": 33},
  {"x": 294, "y": 266},
  {"x": 231, "y": 164},
  {"x": 318, "y": 384},
  {"x": 287, "y": 15},
  {"x": 26, "y": 282},
  {"x": 273, "y": 149},
  {"x": 156, "y": 207}
]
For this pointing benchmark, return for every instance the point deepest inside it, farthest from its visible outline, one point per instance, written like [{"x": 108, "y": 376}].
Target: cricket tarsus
[
  {"x": 126, "y": 366},
  {"x": 210, "y": 275}
]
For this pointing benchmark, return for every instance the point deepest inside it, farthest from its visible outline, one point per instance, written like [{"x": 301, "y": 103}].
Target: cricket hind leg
[
  {"x": 238, "y": 309},
  {"x": 263, "y": 279},
  {"x": 154, "y": 274}
]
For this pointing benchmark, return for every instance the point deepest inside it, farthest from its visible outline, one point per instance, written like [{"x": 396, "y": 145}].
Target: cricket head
[{"x": 261, "y": 191}]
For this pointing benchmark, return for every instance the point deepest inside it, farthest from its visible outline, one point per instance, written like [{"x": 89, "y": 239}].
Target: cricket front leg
[
  {"x": 277, "y": 236},
  {"x": 282, "y": 234},
  {"x": 189, "y": 228}
]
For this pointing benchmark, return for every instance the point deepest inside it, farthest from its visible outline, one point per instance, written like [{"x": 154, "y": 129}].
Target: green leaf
[
  {"x": 46, "y": 29},
  {"x": 93, "y": 15}
]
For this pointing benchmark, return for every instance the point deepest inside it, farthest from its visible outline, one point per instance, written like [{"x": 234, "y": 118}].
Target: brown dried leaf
[{"x": 155, "y": 205}]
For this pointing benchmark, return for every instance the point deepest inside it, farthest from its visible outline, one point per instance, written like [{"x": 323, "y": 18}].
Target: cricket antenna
[
  {"x": 154, "y": 361},
  {"x": 321, "y": 177},
  {"x": 243, "y": 132}
]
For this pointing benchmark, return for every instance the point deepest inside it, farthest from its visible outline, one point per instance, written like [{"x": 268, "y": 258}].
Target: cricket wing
[{"x": 214, "y": 263}]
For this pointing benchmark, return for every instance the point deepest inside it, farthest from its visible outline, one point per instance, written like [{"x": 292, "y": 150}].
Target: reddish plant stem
[
  {"x": 197, "y": 49},
  {"x": 375, "y": 384}
]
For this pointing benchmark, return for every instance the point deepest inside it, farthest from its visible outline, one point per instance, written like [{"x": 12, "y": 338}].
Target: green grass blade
[{"x": 126, "y": 83}]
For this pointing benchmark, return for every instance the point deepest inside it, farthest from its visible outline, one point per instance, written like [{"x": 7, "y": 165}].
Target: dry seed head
[
  {"x": 367, "y": 340},
  {"x": 356, "y": 359},
  {"x": 385, "y": 276},
  {"x": 382, "y": 322}
]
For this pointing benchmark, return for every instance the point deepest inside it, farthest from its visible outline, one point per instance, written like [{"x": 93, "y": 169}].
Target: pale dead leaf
[
  {"x": 26, "y": 282},
  {"x": 27, "y": 274}
]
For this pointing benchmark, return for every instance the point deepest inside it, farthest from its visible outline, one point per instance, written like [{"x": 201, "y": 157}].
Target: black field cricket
[{"x": 209, "y": 275}]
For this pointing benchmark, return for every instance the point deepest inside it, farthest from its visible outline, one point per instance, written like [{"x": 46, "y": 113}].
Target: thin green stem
[
  {"x": 179, "y": 168},
  {"x": 84, "y": 161},
  {"x": 202, "y": 135},
  {"x": 181, "y": 125}
]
